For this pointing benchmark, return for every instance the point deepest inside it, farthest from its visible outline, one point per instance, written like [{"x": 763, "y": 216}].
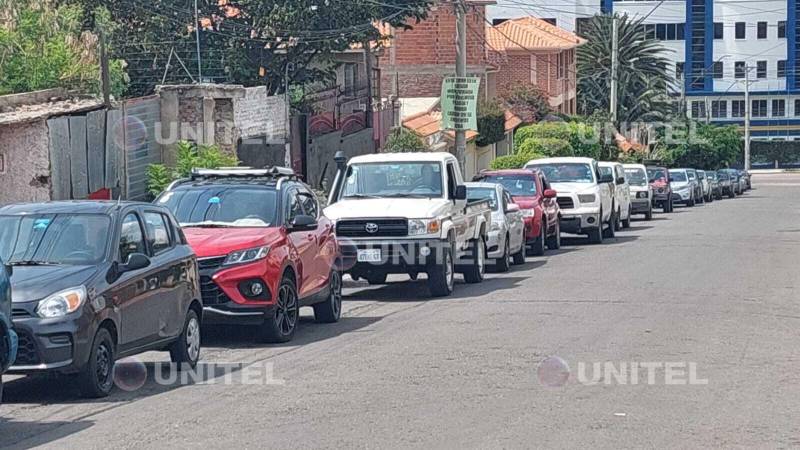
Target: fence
[{"x": 337, "y": 109}]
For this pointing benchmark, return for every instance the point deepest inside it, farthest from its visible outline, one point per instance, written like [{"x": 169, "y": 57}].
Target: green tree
[
  {"x": 643, "y": 78},
  {"x": 582, "y": 139},
  {"x": 527, "y": 102},
  {"x": 190, "y": 156},
  {"x": 402, "y": 140},
  {"x": 710, "y": 147},
  {"x": 491, "y": 123}
]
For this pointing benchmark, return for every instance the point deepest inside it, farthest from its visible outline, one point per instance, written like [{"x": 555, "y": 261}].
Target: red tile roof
[{"x": 530, "y": 33}]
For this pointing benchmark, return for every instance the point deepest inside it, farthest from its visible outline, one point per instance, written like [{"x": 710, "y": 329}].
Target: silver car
[{"x": 506, "y": 242}]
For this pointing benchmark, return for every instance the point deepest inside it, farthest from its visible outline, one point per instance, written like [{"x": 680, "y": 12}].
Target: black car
[
  {"x": 94, "y": 282},
  {"x": 8, "y": 338}
]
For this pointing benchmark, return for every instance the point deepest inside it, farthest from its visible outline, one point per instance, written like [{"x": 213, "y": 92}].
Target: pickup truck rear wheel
[
  {"x": 477, "y": 262},
  {"x": 441, "y": 276}
]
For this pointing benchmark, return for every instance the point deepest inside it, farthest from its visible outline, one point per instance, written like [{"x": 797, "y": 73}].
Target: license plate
[{"x": 371, "y": 255}]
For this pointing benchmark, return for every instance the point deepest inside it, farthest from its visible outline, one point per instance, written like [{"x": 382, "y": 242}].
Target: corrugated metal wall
[{"x": 139, "y": 118}]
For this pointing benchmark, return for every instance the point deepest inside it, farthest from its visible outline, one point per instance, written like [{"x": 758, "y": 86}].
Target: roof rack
[{"x": 273, "y": 173}]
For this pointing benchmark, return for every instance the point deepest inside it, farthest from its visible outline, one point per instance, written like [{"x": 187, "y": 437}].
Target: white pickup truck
[{"x": 408, "y": 213}]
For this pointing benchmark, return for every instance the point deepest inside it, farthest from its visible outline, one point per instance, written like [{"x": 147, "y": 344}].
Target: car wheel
[
  {"x": 186, "y": 350},
  {"x": 611, "y": 231},
  {"x": 330, "y": 311},
  {"x": 649, "y": 215},
  {"x": 518, "y": 258},
  {"x": 96, "y": 379},
  {"x": 441, "y": 277},
  {"x": 669, "y": 207},
  {"x": 377, "y": 278},
  {"x": 477, "y": 267},
  {"x": 554, "y": 241},
  {"x": 691, "y": 202},
  {"x": 627, "y": 222},
  {"x": 502, "y": 263},
  {"x": 281, "y": 324},
  {"x": 538, "y": 247}
]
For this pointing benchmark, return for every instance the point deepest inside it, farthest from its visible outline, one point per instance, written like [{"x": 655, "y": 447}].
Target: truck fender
[
  {"x": 480, "y": 225},
  {"x": 447, "y": 227}
]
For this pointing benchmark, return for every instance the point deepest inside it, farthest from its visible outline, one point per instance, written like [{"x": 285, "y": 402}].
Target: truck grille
[
  {"x": 364, "y": 228},
  {"x": 210, "y": 263},
  {"x": 26, "y": 352},
  {"x": 211, "y": 293},
  {"x": 566, "y": 203}
]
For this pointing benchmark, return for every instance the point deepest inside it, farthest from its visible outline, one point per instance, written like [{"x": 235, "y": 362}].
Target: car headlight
[
  {"x": 417, "y": 227},
  {"x": 246, "y": 256},
  {"x": 587, "y": 198},
  {"x": 528, "y": 212},
  {"x": 643, "y": 195},
  {"x": 62, "y": 303}
]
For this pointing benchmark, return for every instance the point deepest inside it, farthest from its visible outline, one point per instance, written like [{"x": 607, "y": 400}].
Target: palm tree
[{"x": 642, "y": 77}]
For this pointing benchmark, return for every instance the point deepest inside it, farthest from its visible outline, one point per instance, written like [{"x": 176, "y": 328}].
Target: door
[
  {"x": 170, "y": 292},
  {"x": 134, "y": 293},
  {"x": 459, "y": 215},
  {"x": 323, "y": 241},
  {"x": 550, "y": 205},
  {"x": 303, "y": 242},
  {"x": 625, "y": 191}
]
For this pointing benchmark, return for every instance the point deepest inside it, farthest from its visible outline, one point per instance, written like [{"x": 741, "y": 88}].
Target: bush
[
  {"x": 402, "y": 140},
  {"x": 516, "y": 161},
  {"x": 582, "y": 139},
  {"x": 491, "y": 123},
  {"x": 527, "y": 102},
  {"x": 190, "y": 156},
  {"x": 550, "y": 147}
]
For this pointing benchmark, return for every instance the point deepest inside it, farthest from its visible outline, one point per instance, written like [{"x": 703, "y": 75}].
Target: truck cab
[{"x": 408, "y": 213}]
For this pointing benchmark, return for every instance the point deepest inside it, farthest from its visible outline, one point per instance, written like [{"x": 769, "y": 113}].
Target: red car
[
  {"x": 662, "y": 189},
  {"x": 263, "y": 247},
  {"x": 530, "y": 190}
]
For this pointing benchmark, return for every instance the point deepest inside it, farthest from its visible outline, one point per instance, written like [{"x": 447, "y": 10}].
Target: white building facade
[{"x": 715, "y": 46}]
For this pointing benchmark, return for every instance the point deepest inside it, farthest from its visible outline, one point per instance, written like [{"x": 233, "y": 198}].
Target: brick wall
[{"x": 541, "y": 70}]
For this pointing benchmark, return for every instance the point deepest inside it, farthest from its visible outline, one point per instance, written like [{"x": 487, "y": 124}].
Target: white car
[
  {"x": 506, "y": 241},
  {"x": 622, "y": 192},
  {"x": 408, "y": 213},
  {"x": 585, "y": 197},
  {"x": 641, "y": 191}
]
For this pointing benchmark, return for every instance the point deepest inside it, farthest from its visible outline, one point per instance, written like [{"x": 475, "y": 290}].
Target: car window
[
  {"x": 294, "y": 207},
  {"x": 158, "y": 232},
  {"x": 394, "y": 179},
  {"x": 451, "y": 179},
  {"x": 475, "y": 194},
  {"x": 519, "y": 185},
  {"x": 679, "y": 177},
  {"x": 309, "y": 204},
  {"x": 637, "y": 177},
  {"x": 222, "y": 206},
  {"x": 131, "y": 238},
  {"x": 507, "y": 200},
  {"x": 565, "y": 172}
]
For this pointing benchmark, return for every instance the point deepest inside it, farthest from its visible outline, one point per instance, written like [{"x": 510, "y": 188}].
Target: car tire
[
  {"x": 648, "y": 216},
  {"x": 627, "y": 222},
  {"x": 96, "y": 379},
  {"x": 281, "y": 324},
  {"x": 554, "y": 241},
  {"x": 538, "y": 247},
  {"x": 374, "y": 279},
  {"x": 518, "y": 258},
  {"x": 330, "y": 311},
  {"x": 477, "y": 265},
  {"x": 185, "y": 352},
  {"x": 441, "y": 278},
  {"x": 669, "y": 206},
  {"x": 691, "y": 202},
  {"x": 502, "y": 264},
  {"x": 611, "y": 231}
]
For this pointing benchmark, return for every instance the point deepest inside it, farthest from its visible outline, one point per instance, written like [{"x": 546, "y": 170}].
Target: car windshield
[
  {"x": 723, "y": 176},
  {"x": 657, "y": 174},
  {"x": 54, "y": 239},
  {"x": 475, "y": 194},
  {"x": 701, "y": 175},
  {"x": 636, "y": 177},
  {"x": 398, "y": 179},
  {"x": 566, "y": 172},
  {"x": 712, "y": 176},
  {"x": 222, "y": 206},
  {"x": 517, "y": 185},
  {"x": 692, "y": 175},
  {"x": 679, "y": 177}
]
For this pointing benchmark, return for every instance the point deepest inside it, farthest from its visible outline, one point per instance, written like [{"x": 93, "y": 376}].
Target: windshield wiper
[
  {"x": 361, "y": 196},
  {"x": 33, "y": 263},
  {"x": 406, "y": 196}
]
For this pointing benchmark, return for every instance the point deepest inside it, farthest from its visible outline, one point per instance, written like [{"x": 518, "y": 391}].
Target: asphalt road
[{"x": 715, "y": 287}]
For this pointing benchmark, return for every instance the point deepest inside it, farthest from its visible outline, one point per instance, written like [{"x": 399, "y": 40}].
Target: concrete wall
[
  {"x": 25, "y": 175},
  {"x": 322, "y": 149}
]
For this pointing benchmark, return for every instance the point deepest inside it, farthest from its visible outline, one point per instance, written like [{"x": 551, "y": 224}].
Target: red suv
[
  {"x": 662, "y": 189},
  {"x": 530, "y": 190},
  {"x": 263, "y": 247}
]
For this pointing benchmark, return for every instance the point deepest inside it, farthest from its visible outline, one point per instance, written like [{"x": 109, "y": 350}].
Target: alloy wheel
[{"x": 286, "y": 311}]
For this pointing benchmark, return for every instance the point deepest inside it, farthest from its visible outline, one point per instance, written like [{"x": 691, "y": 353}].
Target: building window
[
  {"x": 797, "y": 107},
  {"x": 679, "y": 70},
  {"x": 698, "y": 110},
  {"x": 661, "y": 32},
  {"x": 650, "y": 31},
  {"x": 717, "y": 70},
  {"x": 719, "y": 109},
  {"x": 759, "y": 108},
  {"x": 782, "y": 69},
  {"x": 778, "y": 108},
  {"x": 680, "y": 30},
  {"x": 582, "y": 25},
  {"x": 719, "y": 30},
  {"x": 550, "y": 20},
  {"x": 739, "y": 69},
  {"x": 533, "y": 69},
  {"x": 561, "y": 61},
  {"x": 350, "y": 79},
  {"x": 761, "y": 69},
  {"x": 782, "y": 29},
  {"x": 737, "y": 108},
  {"x": 741, "y": 30},
  {"x": 762, "y": 30}
]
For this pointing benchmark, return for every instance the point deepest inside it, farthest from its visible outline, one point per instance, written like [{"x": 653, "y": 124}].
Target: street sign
[{"x": 460, "y": 103}]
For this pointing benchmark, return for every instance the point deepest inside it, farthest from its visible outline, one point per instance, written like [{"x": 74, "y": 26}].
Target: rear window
[
  {"x": 517, "y": 185},
  {"x": 657, "y": 174},
  {"x": 679, "y": 176},
  {"x": 222, "y": 206},
  {"x": 479, "y": 194},
  {"x": 636, "y": 177}
]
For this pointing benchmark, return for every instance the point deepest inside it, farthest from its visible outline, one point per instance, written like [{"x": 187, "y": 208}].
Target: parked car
[
  {"x": 506, "y": 243},
  {"x": 585, "y": 197},
  {"x": 725, "y": 183},
  {"x": 662, "y": 189},
  {"x": 408, "y": 213},
  {"x": 531, "y": 191},
  {"x": 736, "y": 181},
  {"x": 94, "y": 282},
  {"x": 716, "y": 189},
  {"x": 8, "y": 338},
  {"x": 746, "y": 180},
  {"x": 708, "y": 196},
  {"x": 264, "y": 249},
  {"x": 694, "y": 179},
  {"x": 683, "y": 189},
  {"x": 641, "y": 191},
  {"x": 622, "y": 192}
]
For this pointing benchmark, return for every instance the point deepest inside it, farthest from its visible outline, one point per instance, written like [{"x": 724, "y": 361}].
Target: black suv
[
  {"x": 94, "y": 282},
  {"x": 8, "y": 339}
]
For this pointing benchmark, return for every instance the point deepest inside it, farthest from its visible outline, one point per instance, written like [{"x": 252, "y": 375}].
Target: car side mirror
[
  {"x": 606, "y": 178},
  {"x": 621, "y": 180},
  {"x": 550, "y": 193},
  {"x": 461, "y": 193},
  {"x": 302, "y": 223},
  {"x": 512, "y": 208},
  {"x": 136, "y": 261}
]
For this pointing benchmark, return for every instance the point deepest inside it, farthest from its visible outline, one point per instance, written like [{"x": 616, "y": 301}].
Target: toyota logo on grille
[{"x": 371, "y": 228}]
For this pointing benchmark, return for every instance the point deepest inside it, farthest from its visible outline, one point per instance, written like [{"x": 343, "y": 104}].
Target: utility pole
[
  {"x": 197, "y": 43},
  {"x": 747, "y": 114},
  {"x": 368, "y": 64},
  {"x": 287, "y": 157},
  {"x": 614, "y": 68},
  {"x": 461, "y": 72},
  {"x": 105, "y": 77}
]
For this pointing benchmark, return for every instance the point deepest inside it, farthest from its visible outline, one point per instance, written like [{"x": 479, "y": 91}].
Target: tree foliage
[
  {"x": 527, "y": 102},
  {"x": 190, "y": 156},
  {"x": 643, "y": 78},
  {"x": 491, "y": 123},
  {"x": 581, "y": 139},
  {"x": 402, "y": 140},
  {"x": 710, "y": 148}
]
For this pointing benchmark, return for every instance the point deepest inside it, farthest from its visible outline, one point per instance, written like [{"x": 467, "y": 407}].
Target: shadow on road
[{"x": 32, "y": 434}]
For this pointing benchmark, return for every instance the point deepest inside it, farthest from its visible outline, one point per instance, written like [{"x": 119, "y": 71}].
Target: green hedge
[{"x": 583, "y": 139}]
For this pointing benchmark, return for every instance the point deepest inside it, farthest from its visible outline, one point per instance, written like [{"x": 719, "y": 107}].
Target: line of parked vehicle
[{"x": 86, "y": 283}]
